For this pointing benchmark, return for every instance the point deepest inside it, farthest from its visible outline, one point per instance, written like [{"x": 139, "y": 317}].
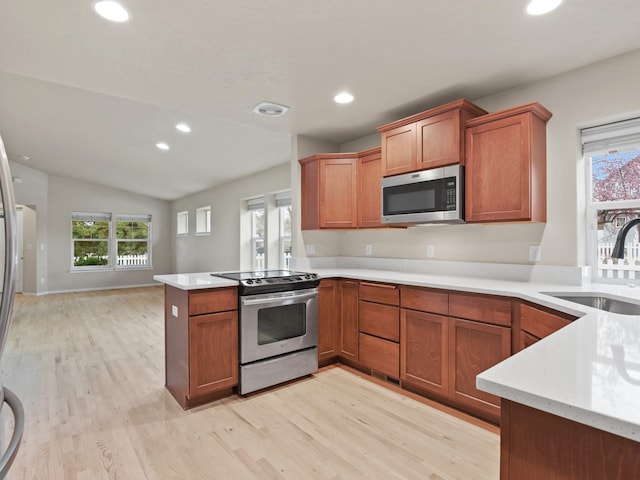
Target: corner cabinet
[
  {"x": 430, "y": 139},
  {"x": 329, "y": 191},
  {"x": 505, "y": 165},
  {"x": 201, "y": 343},
  {"x": 328, "y": 321},
  {"x": 369, "y": 189}
]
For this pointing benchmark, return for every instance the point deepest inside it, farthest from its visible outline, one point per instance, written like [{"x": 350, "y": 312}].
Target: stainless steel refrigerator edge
[{"x": 6, "y": 305}]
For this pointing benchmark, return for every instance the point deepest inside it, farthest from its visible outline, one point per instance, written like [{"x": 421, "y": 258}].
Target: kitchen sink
[{"x": 600, "y": 301}]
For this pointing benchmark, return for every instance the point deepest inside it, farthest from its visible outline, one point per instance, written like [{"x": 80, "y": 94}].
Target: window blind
[
  {"x": 611, "y": 136},
  {"x": 90, "y": 217},
  {"x": 283, "y": 199},
  {"x": 126, "y": 217},
  {"x": 255, "y": 203}
]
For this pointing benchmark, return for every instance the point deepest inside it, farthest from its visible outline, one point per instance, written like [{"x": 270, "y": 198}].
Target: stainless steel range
[{"x": 278, "y": 326}]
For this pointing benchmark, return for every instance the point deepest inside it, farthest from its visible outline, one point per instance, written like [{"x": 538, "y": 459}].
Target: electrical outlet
[
  {"x": 534, "y": 253},
  {"x": 310, "y": 248},
  {"x": 431, "y": 251},
  {"x": 174, "y": 311},
  {"x": 368, "y": 249}
]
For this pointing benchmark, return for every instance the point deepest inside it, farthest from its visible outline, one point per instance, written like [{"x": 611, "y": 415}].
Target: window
[
  {"x": 256, "y": 208},
  {"x": 283, "y": 204},
  {"x": 203, "y": 221},
  {"x": 612, "y": 154},
  {"x": 93, "y": 235},
  {"x": 182, "y": 222},
  {"x": 90, "y": 233},
  {"x": 133, "y": 234}
]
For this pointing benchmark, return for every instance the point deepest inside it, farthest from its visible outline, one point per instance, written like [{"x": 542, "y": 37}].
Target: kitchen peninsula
[{"x": 571, "y": 375}]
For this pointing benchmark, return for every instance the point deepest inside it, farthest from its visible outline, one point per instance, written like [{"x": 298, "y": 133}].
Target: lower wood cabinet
[
  {"x": 201, "y": 343},
  {"x": 349, "y": 321},
  {"x": 473, "y": 348},
  {"x": 213, "y": 352},
  {"x": 380, "y": 355},
  {"x": 328, "y": 321},
  {"x": 537, "y": 323}
]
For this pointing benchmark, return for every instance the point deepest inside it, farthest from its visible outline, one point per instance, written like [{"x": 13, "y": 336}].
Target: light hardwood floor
[{"x": 89, "y": 369}]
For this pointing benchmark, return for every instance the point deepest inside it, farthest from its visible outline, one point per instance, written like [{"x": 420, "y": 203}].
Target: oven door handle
[{"x": 279, "y": 298}]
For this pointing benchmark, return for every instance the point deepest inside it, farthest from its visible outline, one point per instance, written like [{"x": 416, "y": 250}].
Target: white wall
[
  {"x": 222, "y": 249},
  {"x": 33, "y": 193},
  {"x": 591, "y": 95},
  {"x": 66, "y": 196}
]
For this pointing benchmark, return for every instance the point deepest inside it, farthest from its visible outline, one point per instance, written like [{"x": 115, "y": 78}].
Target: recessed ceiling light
[
  {"x": 343, "y": 97},
  {"x": 111, "y": 11},
  {"x": 540, "y": 7},
  {"x": 162, "y": 146},
  {"x": 269, "y": 109},
  {"x": 183, "y": 127}
]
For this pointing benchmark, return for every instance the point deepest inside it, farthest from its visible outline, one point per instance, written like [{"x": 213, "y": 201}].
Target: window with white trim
[
  {"x": 182, "y": 222},
  {"x": 133, "y": 241},
  {"x": 90, "y": 241},
  {"x": 612, "y": 157},
  {"x": 256, "y": 209},
  {"x": 103, "y": 241},
  {"x": 203, "y": 220},
  {"x": 283, "y": 204}
]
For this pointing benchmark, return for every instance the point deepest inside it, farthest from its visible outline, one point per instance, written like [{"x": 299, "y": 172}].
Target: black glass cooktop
[{"x": 266, "y": 281}]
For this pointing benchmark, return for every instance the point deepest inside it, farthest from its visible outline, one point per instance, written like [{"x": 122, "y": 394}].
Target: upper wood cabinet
[
  {"x": 329, "y": 191},
  {"x": 430, "y": 139},
  {"x": 506, "y": 165},
  {"x": 369, "y": 189}
]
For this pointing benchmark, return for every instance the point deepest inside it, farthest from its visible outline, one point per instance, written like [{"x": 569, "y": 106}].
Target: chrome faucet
[{"x": 618, "y": 249}]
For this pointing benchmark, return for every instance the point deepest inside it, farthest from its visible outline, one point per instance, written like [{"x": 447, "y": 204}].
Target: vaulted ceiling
[{"x": 89, "y": 99}]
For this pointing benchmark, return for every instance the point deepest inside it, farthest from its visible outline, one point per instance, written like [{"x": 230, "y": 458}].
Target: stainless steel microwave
[{"x": 430, "y": 196}]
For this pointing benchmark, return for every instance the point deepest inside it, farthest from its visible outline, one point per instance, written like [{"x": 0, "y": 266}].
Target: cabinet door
[
  {"x": 349, "y": 320},
  {"x": 338, "y": 190},
  {"x": 213, "y": 352},
  {"x": 369, "y": 189},
  {"x": 439, "y": 141},
  {"x": 424, "y": 360},
  {"x": 473, "y": 348},
  {"x": 506, "y": 168},
  {"x": 328, "y": 321},
  {"x": 399, "y": 150},
  {"x": 540, "y": 323}
]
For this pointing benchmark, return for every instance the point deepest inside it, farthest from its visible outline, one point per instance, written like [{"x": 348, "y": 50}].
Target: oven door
[{"x": 273, "y": 324}]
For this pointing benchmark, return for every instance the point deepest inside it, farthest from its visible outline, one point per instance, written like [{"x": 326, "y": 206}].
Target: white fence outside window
[
  {"x": 127, "y": 260},
  {"x": 627, "y": 268},
  {"x": 260, "y": 261}
]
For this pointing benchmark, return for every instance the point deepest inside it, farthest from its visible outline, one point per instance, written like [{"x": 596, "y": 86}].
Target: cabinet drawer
[
  {"x": 424, "y": 299},
  {"x": 540, "y": 323},
  {"x": 380, "y": 355},
  {"x": 379, "y": 293},
  {"x": 379, "y": 320},
  {"x": 213, "y": 300},
  {"x": 482, "y": 308}
]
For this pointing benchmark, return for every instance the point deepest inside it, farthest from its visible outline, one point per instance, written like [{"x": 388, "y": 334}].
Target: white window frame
[
  {"x": 203, "y": 220},
  {"x": 283, "y": 201},
  {"x": 182, "y": 223},
  {"x": 91, "y": 217},
  {"x": 112, "y": 241},
  {"x": 254, "y": 205},
  {"x": 133, "y": 218},
  {"x": 602, "y": 140}
]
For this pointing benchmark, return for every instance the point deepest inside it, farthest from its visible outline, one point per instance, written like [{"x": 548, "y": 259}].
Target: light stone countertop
[{"x": 573, "y": 373}]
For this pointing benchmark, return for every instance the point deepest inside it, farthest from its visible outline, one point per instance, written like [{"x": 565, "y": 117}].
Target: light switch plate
[
  {"x": 174, "y": 311},
  {"x": 368, "y": 249},
  {"x": 431, "y": 251}
]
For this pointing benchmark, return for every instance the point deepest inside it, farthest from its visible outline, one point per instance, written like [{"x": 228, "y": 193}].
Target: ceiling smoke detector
[{"x": 269, "y": 109}]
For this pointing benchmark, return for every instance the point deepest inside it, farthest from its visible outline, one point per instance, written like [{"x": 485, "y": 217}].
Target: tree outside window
[
  {"x": 91, "y": 239},
  {"x": 132, "y": 237}
]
